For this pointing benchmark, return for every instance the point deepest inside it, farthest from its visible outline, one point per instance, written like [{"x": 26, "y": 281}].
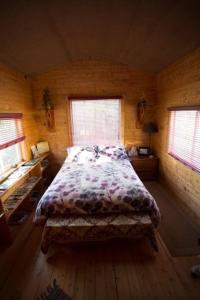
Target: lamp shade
[{"x": 150, "y": 127}]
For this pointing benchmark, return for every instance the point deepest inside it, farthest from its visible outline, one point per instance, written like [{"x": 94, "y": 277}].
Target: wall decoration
[
  {"x": 142, "y": 107},
  {"x": 49, "y": 109},
  {"x": 140, "y": 113}
]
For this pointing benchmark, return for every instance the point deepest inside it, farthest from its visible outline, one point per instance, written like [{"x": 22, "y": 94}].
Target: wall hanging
[
  {"x": 142, "y": 106},
  {"x": 49, "y": 109}
]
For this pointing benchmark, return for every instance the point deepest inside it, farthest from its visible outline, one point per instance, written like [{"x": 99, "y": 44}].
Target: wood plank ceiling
[{"x": 36, "y": 36}]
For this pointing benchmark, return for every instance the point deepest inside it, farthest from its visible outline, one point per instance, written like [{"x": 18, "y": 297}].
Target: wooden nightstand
[{"x": 145, "y": 167}]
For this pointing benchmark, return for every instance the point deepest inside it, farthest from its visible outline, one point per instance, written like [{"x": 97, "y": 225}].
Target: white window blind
[
  {"x": 95, "y": 121},
  {"x": 184, "y": 136},
  {"x": 11, "y": 134},
  {"x": 11, "y": 131}
]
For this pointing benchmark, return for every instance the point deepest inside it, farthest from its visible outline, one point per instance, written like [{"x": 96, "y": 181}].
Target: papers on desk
[
  {"x": 14, "y": 177},
  {"x": 7, "y": 184},
  {"x": 19, "y": 172}
]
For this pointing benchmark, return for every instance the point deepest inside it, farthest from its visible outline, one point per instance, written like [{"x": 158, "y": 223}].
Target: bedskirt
[{"x": 88, "y": 228}]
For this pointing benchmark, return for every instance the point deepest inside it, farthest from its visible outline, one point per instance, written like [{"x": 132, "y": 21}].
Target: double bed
[{"x": 96, "y": 196}]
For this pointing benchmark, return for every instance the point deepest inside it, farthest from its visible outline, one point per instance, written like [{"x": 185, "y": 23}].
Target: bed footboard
[{"x": 88, "y": 228}]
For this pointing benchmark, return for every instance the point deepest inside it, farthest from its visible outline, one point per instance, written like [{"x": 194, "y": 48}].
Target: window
[
  {"x": 95, "y": 121},
  {"x": 184, "y": 135},
  {"x": 11, "y": 135}
]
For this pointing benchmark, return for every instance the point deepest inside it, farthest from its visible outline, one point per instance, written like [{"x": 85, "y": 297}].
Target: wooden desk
[{"x": 20, "y": 192}]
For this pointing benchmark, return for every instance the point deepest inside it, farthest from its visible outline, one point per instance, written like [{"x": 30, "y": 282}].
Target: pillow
[
  {"x": 102, "y": 159},
  {"x": 72, "y": 152},
  {"x": 114, "y": 152},
  {"x": 82, "y": 154},
  {"x": 85, "y": 157}
]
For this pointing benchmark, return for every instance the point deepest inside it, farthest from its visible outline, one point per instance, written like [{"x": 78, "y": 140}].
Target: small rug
[
  {"x": 54, "y": 292},
  {"x": 177, "y": 229}
]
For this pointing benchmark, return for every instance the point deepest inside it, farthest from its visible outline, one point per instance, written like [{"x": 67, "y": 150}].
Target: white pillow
[
  {"x": 103, "y": 159},
  {"x": 72, "y": 152},
  {"x": 81, "y": 154}
]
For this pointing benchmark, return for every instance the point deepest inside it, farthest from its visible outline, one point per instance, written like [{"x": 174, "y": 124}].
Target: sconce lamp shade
[{"x": 151, "y": 127}]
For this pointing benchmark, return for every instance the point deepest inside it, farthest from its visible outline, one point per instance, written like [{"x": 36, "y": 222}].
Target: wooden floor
[{"x": 121, "y": 271}]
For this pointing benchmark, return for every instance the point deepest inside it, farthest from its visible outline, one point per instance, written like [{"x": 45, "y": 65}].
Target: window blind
[
  {"x": 11, "y": 131},
  {"x": 184, "y": 136},
  {"x": 95, "y": 121}
]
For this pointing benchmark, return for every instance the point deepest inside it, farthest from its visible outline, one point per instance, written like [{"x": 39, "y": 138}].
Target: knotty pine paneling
[
  {"x": 91, "y": 78},
  {"x": 16, "y": 96},
  {"x": 178, "y": 85}
]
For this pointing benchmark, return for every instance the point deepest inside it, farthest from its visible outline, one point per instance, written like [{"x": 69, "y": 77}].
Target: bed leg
[{"x": 152, "y": 239}]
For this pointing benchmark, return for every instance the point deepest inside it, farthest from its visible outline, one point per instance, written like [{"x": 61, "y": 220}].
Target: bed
[{"x": 96, "y": 196}]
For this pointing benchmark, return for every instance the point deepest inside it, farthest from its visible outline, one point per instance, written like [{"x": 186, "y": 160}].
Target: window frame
[
  {"x": 69, "y": 113},
  {"x": 182, "y": 108}
]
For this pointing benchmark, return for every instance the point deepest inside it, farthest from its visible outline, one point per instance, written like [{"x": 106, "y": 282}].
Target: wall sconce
[
  {"x": 150, "y": 128},
  {"x": 49, "y": 109}
]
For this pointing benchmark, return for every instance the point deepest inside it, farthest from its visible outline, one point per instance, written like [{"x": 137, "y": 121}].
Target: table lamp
[{"x": 150, "y": 128}]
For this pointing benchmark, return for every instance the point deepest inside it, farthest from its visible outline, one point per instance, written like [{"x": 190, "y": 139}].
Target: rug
[
  {"x": 177, "y": 229},
  {"x": 54, "y": 292}
]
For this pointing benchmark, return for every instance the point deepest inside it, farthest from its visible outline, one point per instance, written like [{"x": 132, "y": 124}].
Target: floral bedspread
[{"x": 101, "y": 186}]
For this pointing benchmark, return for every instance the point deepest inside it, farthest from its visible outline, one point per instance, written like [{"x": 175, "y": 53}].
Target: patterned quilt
[{"x": 99, "y": 186}]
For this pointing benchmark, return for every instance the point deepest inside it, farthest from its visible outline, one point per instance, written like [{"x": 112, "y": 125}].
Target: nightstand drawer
[
  {"x": 144, "y": 163},
  {"x": 146, "y": 168},
  {"x": 147, "y": 175}
]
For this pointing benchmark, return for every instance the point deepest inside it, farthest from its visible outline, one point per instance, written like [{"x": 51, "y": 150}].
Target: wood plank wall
[
  {"x": 91, "y": 78},
  {"x": 16, "y": 96},
  {"x": 177, "y": 85}
]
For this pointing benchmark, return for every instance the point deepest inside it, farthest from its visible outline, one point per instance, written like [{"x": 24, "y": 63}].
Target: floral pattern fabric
[
  {"x": 113, "y": 152},
  {"x": 85, "y": 154},
  {"x": 98, "y": 187},
  {"x": 82, "y": 154}
]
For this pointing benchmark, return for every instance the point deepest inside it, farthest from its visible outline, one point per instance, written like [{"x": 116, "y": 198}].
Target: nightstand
[{"x": 145, "y": 167}]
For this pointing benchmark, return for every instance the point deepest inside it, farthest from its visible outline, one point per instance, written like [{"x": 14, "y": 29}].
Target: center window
[{"x": 96, "y": 121}]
